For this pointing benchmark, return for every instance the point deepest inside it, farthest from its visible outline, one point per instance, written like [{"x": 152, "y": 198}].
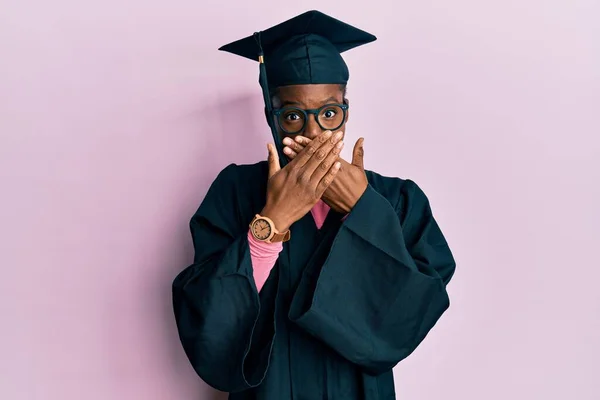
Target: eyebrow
[{"x": 295, "y": 103}]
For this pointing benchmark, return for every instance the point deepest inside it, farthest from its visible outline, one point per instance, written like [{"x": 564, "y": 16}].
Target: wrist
[
  {"x": 281, "y": 222},
  {"x": 358, "y": 194}
]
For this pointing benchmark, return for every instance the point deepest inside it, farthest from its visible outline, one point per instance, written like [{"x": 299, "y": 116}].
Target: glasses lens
[
  {"x": 331, "y": 117},
  {"x": 292, "y": 120}
]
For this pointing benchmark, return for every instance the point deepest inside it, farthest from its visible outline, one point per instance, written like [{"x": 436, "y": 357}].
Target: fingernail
[
  {"x": 339, "y": 134},
  {"x": 298, "y": 139},
  {"x": 287, "y": 150},
  {"x": 338, "y": 165},
  {"x": 287, "y": 140},
  {"x": 340, "y": 144},
  {"x": 328, "y": 133}
]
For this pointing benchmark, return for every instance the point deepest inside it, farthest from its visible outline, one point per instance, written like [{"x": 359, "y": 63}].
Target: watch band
[{"x": 280, "y": 237}]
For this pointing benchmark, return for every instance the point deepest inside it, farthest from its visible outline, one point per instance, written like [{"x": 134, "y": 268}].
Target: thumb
[
  {"x": 273, "y": 160},
  {"x": 358, "y": 154}
]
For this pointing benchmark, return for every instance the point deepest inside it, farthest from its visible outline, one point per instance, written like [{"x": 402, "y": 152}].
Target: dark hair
[{"x": 274, "y": 92}]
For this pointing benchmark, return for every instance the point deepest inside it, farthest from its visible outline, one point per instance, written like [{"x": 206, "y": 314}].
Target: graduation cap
[{"x": 302, "y": 50}]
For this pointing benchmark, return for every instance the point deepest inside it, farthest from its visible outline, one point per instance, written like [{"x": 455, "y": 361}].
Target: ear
[
  {"x": 271, "y": 120},
  {"x": 347, "y": 102}
]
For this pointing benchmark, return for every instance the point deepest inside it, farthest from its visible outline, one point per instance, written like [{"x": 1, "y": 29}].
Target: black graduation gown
[{"x": 341, "y": 307}]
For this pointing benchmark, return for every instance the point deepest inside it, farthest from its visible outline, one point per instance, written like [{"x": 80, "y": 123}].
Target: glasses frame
[{"x": 314, "y": 111}]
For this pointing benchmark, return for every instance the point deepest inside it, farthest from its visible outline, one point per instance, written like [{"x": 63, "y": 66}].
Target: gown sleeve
[
  {"x": 225, "y": 326},
  {"x": 381, "y": 287}
]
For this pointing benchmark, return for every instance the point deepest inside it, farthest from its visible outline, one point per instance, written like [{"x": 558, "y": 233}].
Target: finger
[
  {"x": 321, "y": 154},
  {"x": 295, "y": 146},
  {"x": 311, "y": 149},
  {"x": 358, "y": 154},
  {"x": 326, "y": 164},
  {"x": 289, "y": 152},
  {"x": 328, "y": 179},
  {"x": 273, "y": 160},
  {"x": 303, "y": 140}
]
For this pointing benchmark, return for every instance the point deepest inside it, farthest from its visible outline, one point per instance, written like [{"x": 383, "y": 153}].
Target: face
[{"x": 311, "y": 97}]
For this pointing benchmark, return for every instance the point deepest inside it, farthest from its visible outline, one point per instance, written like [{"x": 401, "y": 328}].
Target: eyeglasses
[{"x": 292, "y": 120}]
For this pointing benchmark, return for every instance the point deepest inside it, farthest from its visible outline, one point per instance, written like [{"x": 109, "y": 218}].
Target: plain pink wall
[{"x": 116, "y": 116}]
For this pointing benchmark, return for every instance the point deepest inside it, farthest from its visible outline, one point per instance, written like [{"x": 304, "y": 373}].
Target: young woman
[{"x": 312, "y": 276}]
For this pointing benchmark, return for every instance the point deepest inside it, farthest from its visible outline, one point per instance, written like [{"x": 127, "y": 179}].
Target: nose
[{"x": 312, "y": 128}]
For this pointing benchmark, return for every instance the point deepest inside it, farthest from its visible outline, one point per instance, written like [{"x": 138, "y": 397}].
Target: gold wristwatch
[{"x": 263, "y": 229}]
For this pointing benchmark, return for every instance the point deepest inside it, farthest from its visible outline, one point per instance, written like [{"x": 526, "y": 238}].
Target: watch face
[{"x": 261, "y": 229}]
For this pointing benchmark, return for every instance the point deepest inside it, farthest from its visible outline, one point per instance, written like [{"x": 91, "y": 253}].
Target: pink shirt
[{"x": 264, "y": 255}]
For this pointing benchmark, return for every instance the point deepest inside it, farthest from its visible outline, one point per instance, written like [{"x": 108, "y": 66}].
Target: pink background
[{"x": 115, "y": 117}]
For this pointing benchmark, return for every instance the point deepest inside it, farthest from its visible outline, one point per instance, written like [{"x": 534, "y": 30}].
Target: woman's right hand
[{"x": 293, "y": 190}]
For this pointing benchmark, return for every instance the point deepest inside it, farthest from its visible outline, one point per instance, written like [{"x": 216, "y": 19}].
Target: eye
[
  {"x": 330, "y": 113},
  {"x": 292, "y": 116}
]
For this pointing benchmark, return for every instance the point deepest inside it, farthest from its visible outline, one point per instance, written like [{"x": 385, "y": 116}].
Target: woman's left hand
[{"x": 350, "y": 182}]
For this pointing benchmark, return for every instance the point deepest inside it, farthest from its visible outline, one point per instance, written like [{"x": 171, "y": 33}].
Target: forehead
[{"x": 310, "y": 94}]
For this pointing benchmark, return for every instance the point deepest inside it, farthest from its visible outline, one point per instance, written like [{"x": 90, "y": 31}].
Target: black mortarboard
[{"x": 302, "y": 50}]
